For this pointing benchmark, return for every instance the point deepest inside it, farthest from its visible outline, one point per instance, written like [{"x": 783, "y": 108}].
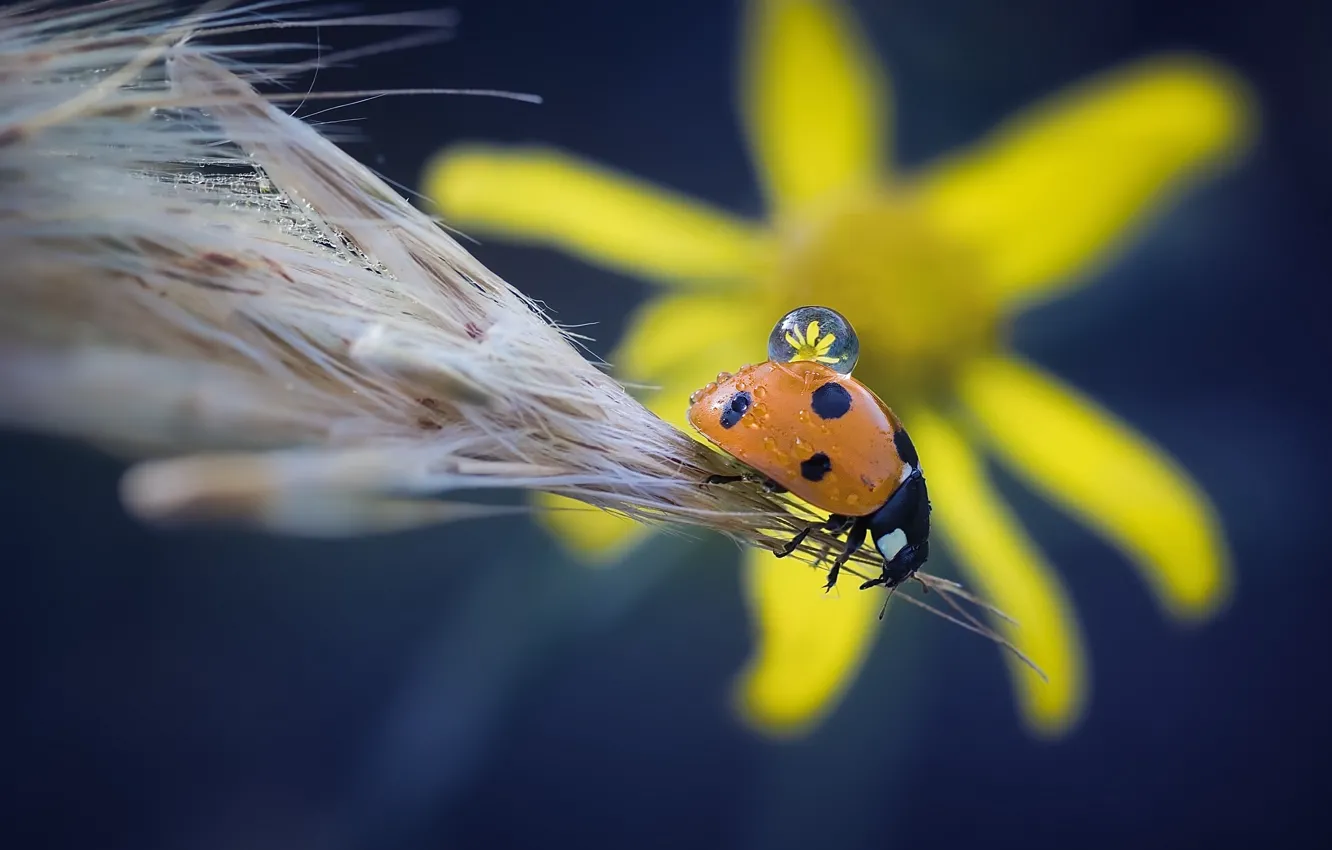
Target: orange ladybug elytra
[{"x": 805, "y": 425}]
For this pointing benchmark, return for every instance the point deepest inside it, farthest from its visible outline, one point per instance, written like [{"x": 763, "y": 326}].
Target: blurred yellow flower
[{"x": 929, "y": 267}]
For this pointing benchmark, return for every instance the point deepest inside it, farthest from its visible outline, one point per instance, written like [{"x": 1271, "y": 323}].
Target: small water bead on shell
[{"x": 815, "y": 333}]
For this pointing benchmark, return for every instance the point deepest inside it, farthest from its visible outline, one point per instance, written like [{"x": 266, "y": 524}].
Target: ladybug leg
[
  {"x": 835, "y": 524},
  {"x": 797, "y": 540},
  {"x": 768, "y": 484},
  {"x": 854, "y": 539}
]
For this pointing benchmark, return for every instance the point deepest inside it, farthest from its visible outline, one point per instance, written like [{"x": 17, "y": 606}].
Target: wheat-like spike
[{"x": 204, "y": 284}]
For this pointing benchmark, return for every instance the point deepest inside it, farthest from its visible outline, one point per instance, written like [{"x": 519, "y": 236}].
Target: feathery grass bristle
[{"x": 199, "y": 281}]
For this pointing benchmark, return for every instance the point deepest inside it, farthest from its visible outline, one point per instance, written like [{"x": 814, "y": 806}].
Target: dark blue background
[{"x": 465, "y": 687}]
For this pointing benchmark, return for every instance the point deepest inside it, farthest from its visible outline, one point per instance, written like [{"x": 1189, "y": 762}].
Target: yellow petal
[
  {"x": 1001, "y": 562},
  {"x": 1052, "y": 192},
  {"x": 599, "y": 538},
  {"x": 545, "y": 197},
  {"x": 809, "y": 644},
  {"x": 814, "y": 100},
  {"x": 593, "y": 536},
  {"x": 717, "y": 332},
  {"x": 812, "y": 333},
  {"x": 1112, "y": 478},
  {"x": 677, "y": 344}
]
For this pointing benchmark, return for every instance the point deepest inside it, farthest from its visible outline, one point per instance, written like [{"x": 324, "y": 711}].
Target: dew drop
[{"x": 838, "y": 353}]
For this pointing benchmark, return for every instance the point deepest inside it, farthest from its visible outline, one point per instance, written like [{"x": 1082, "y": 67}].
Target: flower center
[{"x": 917, "y": 300}]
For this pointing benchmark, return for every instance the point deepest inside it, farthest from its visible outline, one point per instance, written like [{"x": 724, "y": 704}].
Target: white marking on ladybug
[{"x": 890, "y": 544}]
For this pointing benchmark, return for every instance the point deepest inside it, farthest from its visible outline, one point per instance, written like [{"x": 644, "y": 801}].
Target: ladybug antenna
[{"x": 884, "y": 609}]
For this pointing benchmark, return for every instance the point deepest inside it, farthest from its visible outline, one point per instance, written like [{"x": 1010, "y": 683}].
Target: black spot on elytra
[
  {"x": 739, "y": 404},
  {"x": 906, "y": 450},
  {"x": 816, "y": 467},
  {"x": 830, "y": 401}
]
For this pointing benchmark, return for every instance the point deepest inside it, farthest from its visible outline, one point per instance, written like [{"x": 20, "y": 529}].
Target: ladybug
[{"x": 806, "y": 426}]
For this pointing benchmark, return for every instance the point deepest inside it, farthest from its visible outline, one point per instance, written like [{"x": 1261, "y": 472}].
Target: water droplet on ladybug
[{"x": 838, "y": 353}]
